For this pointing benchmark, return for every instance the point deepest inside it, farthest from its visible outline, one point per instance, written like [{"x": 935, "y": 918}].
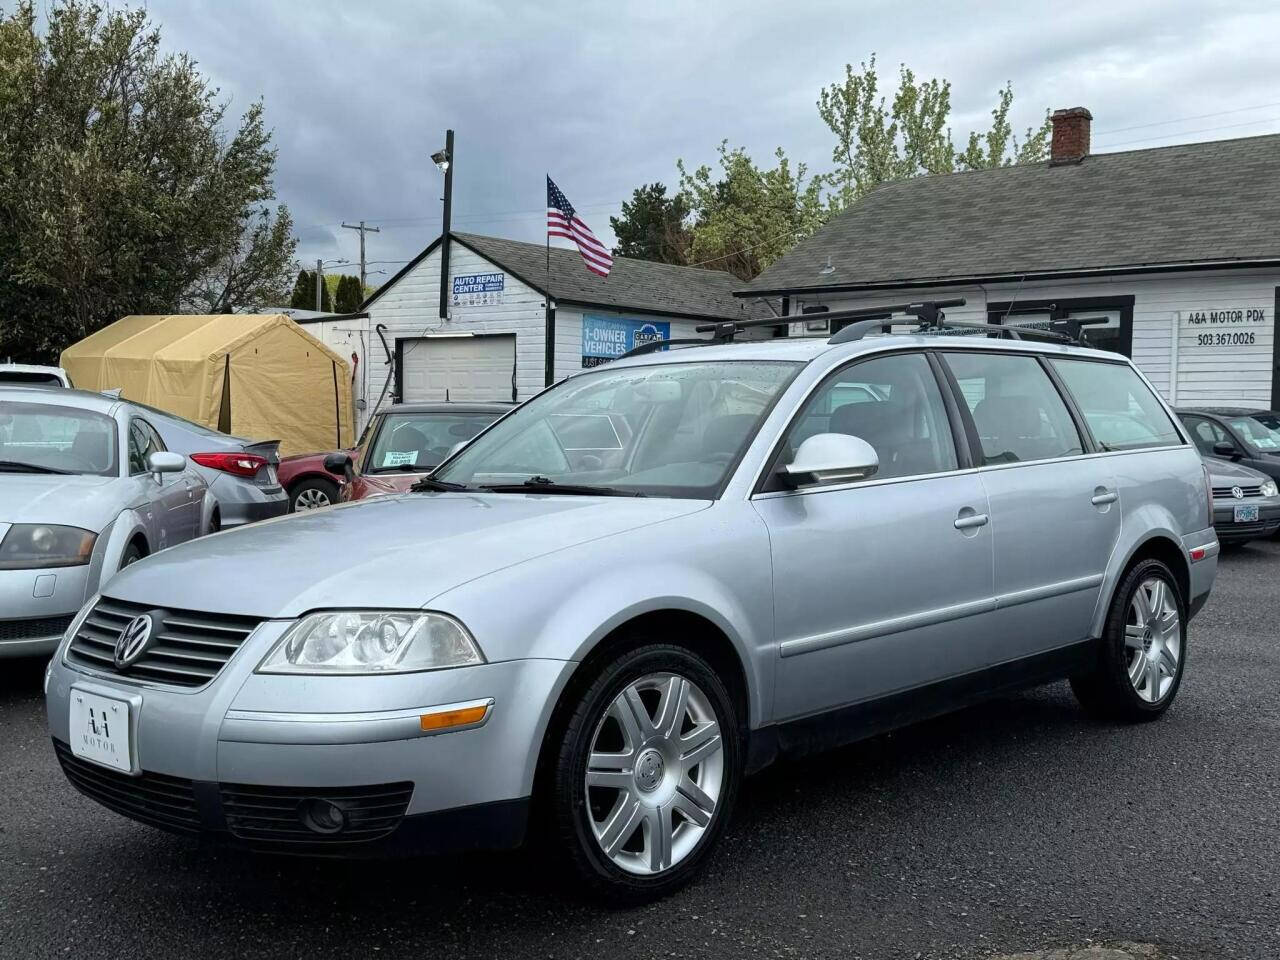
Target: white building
[
  {"x": 516, "y": 323},
  {"x": 1177, "y": 247}
]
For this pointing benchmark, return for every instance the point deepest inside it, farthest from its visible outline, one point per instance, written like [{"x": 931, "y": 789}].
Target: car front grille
[
  {"x": 1228, "y": 529},
  {"x": 271, "y": 815},
  {"x": 1225, "y": 493},
  {"x": 34, "y": 629},
  {"x": 187, "y": 649},
  {"x": 152, "y": 798}
]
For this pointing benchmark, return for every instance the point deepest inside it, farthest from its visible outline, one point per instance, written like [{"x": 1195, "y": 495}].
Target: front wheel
[
  {"x": 647, "y": 772},
  {"x": 1144, "y": 648}
]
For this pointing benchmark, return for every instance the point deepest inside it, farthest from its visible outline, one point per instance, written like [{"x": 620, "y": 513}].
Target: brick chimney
[{"x": 1070, "y": 142}]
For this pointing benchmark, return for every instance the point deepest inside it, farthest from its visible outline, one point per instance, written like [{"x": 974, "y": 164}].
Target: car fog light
[{"x": 322, "y": 816}]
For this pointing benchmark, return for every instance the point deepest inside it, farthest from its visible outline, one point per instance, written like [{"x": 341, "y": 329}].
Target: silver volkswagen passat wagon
[{"x": 651, "y": 579}]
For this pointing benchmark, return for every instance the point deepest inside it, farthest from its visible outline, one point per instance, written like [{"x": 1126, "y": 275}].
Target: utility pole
[
  {"x": 319, "y": 284},
  {"x": 363, "y": 230},
  {"x": 444, "y": 160}
]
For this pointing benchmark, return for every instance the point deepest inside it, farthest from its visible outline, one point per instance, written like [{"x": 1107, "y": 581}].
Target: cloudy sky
[{"x": 606, "y": 96}]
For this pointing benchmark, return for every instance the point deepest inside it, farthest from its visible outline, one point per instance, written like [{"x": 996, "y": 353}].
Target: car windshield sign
[
  {"x": 672, "y": 429},
  {"x": 1257, "y": 433},
  {"x": 46, "y": 438},
  {"x": 416, "y": 442}
]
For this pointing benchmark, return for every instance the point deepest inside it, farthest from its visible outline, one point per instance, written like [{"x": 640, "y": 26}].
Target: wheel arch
[
  {"x": 1162, "y": 545},
  {"x": 677, "y": 625}
]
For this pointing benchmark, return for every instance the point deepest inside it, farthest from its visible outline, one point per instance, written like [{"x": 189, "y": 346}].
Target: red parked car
[
  {"x": 308, "y": 483},
  {"x": 405, "y": 442}
]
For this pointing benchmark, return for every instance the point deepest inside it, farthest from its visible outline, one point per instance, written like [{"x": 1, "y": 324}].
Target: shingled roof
[
  {"x": 631, "y": 285},
  {"x": 1199, "y": 203}
]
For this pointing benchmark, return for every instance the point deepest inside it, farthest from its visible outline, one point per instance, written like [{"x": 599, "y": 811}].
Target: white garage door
[{"x": 457, "y": 368}]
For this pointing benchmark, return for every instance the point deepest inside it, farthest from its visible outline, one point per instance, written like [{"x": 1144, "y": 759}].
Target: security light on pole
[{"x": 444, "y": 160}]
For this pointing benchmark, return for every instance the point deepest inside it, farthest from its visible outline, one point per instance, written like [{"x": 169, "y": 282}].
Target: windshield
[
  {"x": 1261, "y": 436},
  {"x": 672, "y": 429},
  {"x": 39, "y": 438},
  {"x": 419, "y": 441}
]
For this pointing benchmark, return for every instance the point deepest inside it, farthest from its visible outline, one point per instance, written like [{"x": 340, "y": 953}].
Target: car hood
[
  {"x": 394, "y": 551},
  {"x": 81, "y": 501},
  {"x": 1224, "y": 473}
]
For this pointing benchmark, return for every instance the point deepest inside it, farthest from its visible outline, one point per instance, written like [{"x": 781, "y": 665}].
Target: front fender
[{"x": 112, "y": 543}]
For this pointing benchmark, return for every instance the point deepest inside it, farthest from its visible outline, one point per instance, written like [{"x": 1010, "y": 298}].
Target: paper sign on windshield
[{"x": 398, "y": 458}]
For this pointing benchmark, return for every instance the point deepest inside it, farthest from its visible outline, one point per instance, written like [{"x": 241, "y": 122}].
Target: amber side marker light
[{"x": 449, "y": 719}]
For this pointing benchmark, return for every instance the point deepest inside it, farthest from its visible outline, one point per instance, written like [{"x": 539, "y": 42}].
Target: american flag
[{"x": 563, "y": 222}]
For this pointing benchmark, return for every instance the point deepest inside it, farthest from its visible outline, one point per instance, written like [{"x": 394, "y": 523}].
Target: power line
[
  {"x": 1202, "y": 116},
  {"x": 1185, "y": 133}
]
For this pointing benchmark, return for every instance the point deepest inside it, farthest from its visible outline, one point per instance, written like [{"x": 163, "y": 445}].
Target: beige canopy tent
[{"x": 260, "y": 377}]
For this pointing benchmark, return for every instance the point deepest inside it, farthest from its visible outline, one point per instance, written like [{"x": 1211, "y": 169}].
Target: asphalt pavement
[{"x": 1015, "y": 826}]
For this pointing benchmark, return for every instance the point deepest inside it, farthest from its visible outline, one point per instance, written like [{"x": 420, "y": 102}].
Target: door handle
[
  {"x": 971, "y": 521},
  {"x": 1102, "y": 496}
]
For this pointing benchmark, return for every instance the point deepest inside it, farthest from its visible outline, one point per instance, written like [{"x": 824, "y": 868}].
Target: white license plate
[
  {"x": 100, "y": 730},
  {"x": 1247, "y": 514}
]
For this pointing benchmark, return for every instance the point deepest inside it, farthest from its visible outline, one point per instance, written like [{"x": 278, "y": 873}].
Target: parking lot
[{"x": 1011, "y": 826}]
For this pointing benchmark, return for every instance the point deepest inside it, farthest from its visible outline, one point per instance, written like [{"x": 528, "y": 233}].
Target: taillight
[
  {"x": 241, "y": 464},
  {"x": 1208, "y": 490}
]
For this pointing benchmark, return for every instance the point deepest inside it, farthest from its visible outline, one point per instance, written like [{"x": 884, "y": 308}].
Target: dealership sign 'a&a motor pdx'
[{"x": 1222, "y": 326}]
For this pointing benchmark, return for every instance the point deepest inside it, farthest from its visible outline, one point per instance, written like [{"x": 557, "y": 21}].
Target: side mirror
[
  {"x": 163, "y": 461},
  {"x": 827, "y": 458},
  {"x": 340, "y": 462},
  {"x": 1225, "y": 448}
]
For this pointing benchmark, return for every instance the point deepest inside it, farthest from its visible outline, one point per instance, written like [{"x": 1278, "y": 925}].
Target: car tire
[
  {"x": 312, "y": 495},
  {"x": 1143, "y": 653},
  {"x": 132, "y": 554},
  {"x": 679, "y": 775}
]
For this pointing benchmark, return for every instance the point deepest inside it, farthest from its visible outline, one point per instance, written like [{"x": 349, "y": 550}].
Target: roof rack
[{"x": 866, "y": 320}]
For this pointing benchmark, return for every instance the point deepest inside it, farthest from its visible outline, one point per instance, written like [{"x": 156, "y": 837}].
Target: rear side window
[
  {"x": 1121, "y": 410},
  {"x": 1016, "y": 408}
]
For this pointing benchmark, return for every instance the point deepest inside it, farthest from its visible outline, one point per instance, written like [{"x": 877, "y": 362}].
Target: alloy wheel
[
  {"x": 1153, "y": 640},
  {"x": 311, "y": 499},
  {"x": 655, "y": 773}
]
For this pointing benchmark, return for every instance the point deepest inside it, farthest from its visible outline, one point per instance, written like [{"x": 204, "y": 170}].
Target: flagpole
[{"x": 549, "y": 329}]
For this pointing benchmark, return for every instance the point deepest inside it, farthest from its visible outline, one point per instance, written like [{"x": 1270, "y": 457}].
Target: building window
[{"x": 1116, "y": 334}]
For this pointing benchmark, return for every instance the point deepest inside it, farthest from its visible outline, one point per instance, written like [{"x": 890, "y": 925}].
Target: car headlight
[
  {"x": 372, "y": 641},
  {"x": 1269, "y": 488},
  {"x": 29, "y": 545}
]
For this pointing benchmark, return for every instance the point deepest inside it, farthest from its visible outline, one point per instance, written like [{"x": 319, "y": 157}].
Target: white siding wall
[{"x": 1226, "y": 375}]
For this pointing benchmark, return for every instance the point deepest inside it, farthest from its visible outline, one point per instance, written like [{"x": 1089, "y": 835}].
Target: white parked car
[
  {"x": 86, "y": 487},
  {"x": 31, "y": 375}
]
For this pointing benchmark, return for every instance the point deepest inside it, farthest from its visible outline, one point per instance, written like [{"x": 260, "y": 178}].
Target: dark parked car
[
  {"x": 1248, "y": 437},
  {"x": 405, "y": 442}
]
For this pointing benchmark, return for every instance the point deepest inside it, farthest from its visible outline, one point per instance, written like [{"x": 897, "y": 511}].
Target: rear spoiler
[{"x": 270, "y": 449}]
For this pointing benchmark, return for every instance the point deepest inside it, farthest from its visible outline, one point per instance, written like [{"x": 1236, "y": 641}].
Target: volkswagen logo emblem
[
  {"x": 133, "y": 641},
  {"x": 1237, "y": 493}
]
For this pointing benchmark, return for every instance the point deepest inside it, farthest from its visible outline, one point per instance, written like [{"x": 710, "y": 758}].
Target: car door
[
  {"x": 1054, "y": 506},
  {"x": 188, "y": 526},
  {"x": 876, "y": 582},
  {"x": 170, "y": 497}
]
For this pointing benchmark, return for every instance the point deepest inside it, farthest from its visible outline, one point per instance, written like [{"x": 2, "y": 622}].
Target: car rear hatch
[{"x": 269, "y": 450}]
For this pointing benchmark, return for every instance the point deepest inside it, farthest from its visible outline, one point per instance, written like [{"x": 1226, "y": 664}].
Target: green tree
[
  {"x": 653, "y": 226},
  {"x": 304, "y": 291},
  {"x": 876, "y": 142},
  {"x": 349, "y": 295},
  {"x": 121, "y": 188},
  {"x": 748, "y": 216}
]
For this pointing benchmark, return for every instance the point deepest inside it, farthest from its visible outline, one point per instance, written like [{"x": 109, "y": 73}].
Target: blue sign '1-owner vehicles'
[{"x": 607, "y": 338}]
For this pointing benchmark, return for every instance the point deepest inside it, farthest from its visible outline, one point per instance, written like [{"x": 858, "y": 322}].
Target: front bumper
[
  {"x": 36, "y": 606},
  {"x": 1229, "y": 531},
  {"x": 289, "y": 739}
]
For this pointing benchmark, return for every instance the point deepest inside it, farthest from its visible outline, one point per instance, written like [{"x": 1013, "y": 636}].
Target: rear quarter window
[{"x": 1121, "y": 410}]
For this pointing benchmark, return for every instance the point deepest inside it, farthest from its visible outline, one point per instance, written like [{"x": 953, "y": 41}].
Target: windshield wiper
[
  {"x": 20, "y": 466},
  {"x": 405, "y": 468},
  {"x": 547, "y": 485},
  {"x": 431, "y": 483}
]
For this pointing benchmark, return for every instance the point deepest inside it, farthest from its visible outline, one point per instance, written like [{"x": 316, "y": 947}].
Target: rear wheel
[
  {"x": 1144, "y": 648},
  {"x": 312, "y": 495},
  {"x": 646, "y": 773}
]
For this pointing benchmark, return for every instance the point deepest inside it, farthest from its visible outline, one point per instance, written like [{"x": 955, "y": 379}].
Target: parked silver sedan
[
  {"x": 765, "y": 547},
  {"x": 86, "y": 487}
]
